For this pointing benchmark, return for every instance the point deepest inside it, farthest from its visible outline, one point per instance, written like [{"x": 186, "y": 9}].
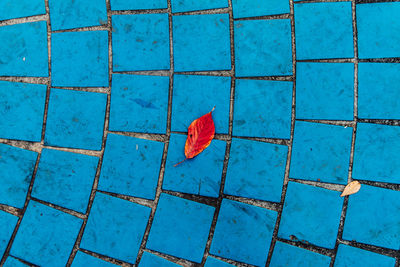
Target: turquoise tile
[
  {"x": 13, "y": 262},
  {"x": 200, "y": 175},
  {"x": 213, "y": 262},
  {"x": 324, "y": 30},
  {"x": 262, "y": 108},
  {"x": 46, "y": 236},
  {"x": 137, "y": 4},
  {"x": 195, "y": 96},
  {"x": 75, "y": 119},
  {"x": 115, "y": 227},
  {"x": 23, "y": 50},
  {"x": 311, "y": 214},
  {"x": 139, "y": 103},
  {"x": 351, "y": 256},
  {"x": 77, "y": 13},
  {"x": 151, "y": 260},
  {"x": 378, "y": 90},
  {"x": 22, "y": 110},
  {"x": 377, "y": 28},
  {"x": 326, "y": 96},
  {"x": 201, "y": 42},
  {"x": 84, "y": 260},
  {"x": 16, "y": 170},
  {"x": 140, "y": 42},
  {"x": 7, "y": 225},
  {"x": 243, "y": 232},
  {"x": 131, "y": 166},
  {"x": 65, "y": 179},
  {"x": 180, "y": 228},
  {"x": 285, "y": 255},
  {"x": 251, "y": 8},
  {"x": 321, "y": 152},
  {"x": 263, "y": 48},
  {"x": 79, "y": 59},
  {"x": 256, "y": 170},
  {"x": 11, "y": 9},
  {"x": 193, "y": 5}
]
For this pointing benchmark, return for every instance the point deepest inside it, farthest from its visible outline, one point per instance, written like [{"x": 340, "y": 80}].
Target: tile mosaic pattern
[{"x": 96, "y": 97}]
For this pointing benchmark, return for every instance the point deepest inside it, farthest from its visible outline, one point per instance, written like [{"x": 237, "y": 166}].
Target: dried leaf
[{"x": 351, "y": 188}]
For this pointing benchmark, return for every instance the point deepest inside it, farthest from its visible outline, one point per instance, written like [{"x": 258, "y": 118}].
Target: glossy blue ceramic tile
[
  {"x": 213, "y": 262},
  {"x": 351, "y": 256},
  {"x": 180, "y": 228},
  {"x": 11, "y": 9},
  {"x": 84, "y": 260},
  {"x": 137, "y": 4},
  {"x": 13, "y": 262},
  {"x": 7, "y": 225},
  {"x": 193, "y": 5},
  {"x": 151, "y": 260},
  {"x": 251, "y": 8},
  {"x": 139, "y": 103},
  {"x": 131, "y": 166},
  {"x": 115, "y": 227}
]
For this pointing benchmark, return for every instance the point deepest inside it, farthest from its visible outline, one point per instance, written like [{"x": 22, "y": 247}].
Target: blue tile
[
  {"x": 256, "y": 170},
  {"x": 285, "y": 255},
  {"x": 11, "y": 9},
  {"x": 324, "y": 30},
  {"x": 137, "y": 4},
  {"x": 326, "y": 96},
  {"x": 115, "y": 227},
  {"x": 378, "y": 90},
  {"x": 75, "y": 119},
  {"x": 352, "y": 256},
  {"x": 311, "y": 214},
  {"x": 13, "y": 262},
  {"x": 139, "y": 94},
  {"x": 77, "y": 13},
  {"x": 85, "y": 260},
  {"x": 180, "y": 228},
  {"x": 376, "y": 156},
  {"x": 22, "y": 110},
  {"x": 79, "y": 59},
  {"x": 151, "y": 260},
  {"x": 46, "y": 236},
  {"x": 195, "y": 96},
  {"x": 200, "y": 175},
  {"x": 376, "y": 209},
  {"x": 65, "y": 179},
  {"x": 16, "y": 169},
  {"x": 7, "y": 225},
  {"x": 201, "y": 42},
  {"x": 192, "y": 5},
  {"x": 377, "y": 28},
  {"x": 262, "y": 108},
  {"x": 251, "y": 8},
  {"x": 321, "y": 152},
  {"x": 240, "y": 224},
  {"x": 140, "y": 42},
  {"x": 263, "y": 48},
  {"x": 213, "y": 262},
  {"x": 131, "y": 166},
  {"x": 23, "y": 50}
]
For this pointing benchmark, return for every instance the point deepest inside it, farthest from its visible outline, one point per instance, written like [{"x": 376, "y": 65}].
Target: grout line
[
  {"x": 233, "y": 262},
  {"x": 137, "y": 200},
  {"x": 105, "y": 258},
  {"x": 144, "y": 72},
  {"x": 266, "y": 17},
  {"x": 139, "y": 11},
  {"x": 329, "y": 186},
  {"x": 10, "y": 209},
  {"x": 171, "y": 258},
  {"x": 381, "y": 250},
  {"x": 34, "y": 80},
  {"x": 81, "y": 29},
  {"x": 308, "y": 246},
  {"x": 35, "y": 18},
  {"x": 104, "y": 90},
  {"x": 203, "y": 12},
  {"x": 210, "y": 201},
  {"x": 275, "y": 206},
  {"x": 147, "y": 136},
  {"x": 60, "y": 208}
]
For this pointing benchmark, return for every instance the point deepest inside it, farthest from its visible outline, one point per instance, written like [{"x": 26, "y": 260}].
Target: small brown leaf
[{"x": 351, "y": 188}]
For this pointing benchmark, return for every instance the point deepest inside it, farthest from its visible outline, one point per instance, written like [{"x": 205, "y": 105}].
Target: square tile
[
  {"x": 291, "y": 256},
  {"x": 7, "y": 225},
  {"x": 201, "y": 42},
  {"x": 200, "y": 175},
  {"x": 263, "y": 108},
  {"x": 131, "y": 166},
  {"x": 195, "y": 96},
  {"x": 46, "y": 236},
  {"x": 311, "y": 214},
  {"x": 213, "y": 262},
  {"x": 13, "y": 262},
  {"x": 115, "y": 227},
  {"x": 251, "y": 8},
  {"x": 140, "y": 42},
  {"x": 144, "y": 96},
  {"x": 193, "y": 5},
  {"x": 75, "y": 119},
  {"x": 326, "y": 96},
  {"x": 11, "y": 9},
  {"x": 324, "y": 30},
  {"x": 65, "y": 179},
  {"x": 376, "y": 153},
  {"x": 379, "y": 207},
  {"x": 79, "y": 59},
  {"x": 23, "y": 49},
  {"x": 137, "y": 4},
  {"x": 22, "y": 110},
  {"x": 180, "y": 228},
  {"x": 83, "y": 259},
  {"x": 256, "y": 170},
  {"x": 239, "y": 224},
  {"x": 263, "y": 47},
  {"x": 352, "y": 256},
  {"x": 77, "y": 13},
  {"x": 16, "y": 170},
  {"x": 377, "y": 28},
  {"x": 151, "y": 260},
  {"x": 321, "y": 152},
  {"x": 379, "y": 90}
]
